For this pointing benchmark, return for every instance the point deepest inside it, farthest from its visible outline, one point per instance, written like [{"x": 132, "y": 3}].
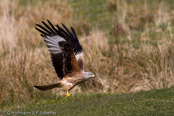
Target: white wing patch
[
  {"x": 52, "y": 43},
  {"x": 79, "y": 56}
]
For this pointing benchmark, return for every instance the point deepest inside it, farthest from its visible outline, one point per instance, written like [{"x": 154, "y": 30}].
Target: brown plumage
[{"x": 66, "y": 55}]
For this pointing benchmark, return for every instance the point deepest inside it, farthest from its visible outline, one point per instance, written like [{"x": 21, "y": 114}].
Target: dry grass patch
[
  {"x": 24, "y": 57},
  {"x": 140, "y": 15}
]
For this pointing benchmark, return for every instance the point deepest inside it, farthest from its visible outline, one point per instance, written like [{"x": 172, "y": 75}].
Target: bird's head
[{"x": 89, "y": 75}]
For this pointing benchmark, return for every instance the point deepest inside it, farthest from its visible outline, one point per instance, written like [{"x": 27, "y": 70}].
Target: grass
[
  {"x": 154, "y": 103},
  {"x": 133, "y": 55},
  {"x": 102, "y": 13}
]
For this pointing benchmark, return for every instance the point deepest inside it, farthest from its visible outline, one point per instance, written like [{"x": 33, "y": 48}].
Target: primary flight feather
[{"x": 66, "y": 56}]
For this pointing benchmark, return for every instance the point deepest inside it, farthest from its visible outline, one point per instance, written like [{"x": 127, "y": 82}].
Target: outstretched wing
[
  {"x": 61, "y": 47},
  {"x": 74, "y": 42},
  {"x": 68, "y": 36}
]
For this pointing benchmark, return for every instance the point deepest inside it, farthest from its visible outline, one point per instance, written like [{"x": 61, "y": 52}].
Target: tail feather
[{"x": 48, "y": 87}]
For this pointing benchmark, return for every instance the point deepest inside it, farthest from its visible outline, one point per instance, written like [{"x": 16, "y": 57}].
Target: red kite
[{"x": 66, "y": 56}]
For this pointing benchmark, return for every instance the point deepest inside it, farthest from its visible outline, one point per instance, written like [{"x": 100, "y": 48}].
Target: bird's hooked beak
[{"x": 93, "y": 76}]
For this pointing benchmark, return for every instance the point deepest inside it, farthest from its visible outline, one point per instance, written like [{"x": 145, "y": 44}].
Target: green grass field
[{"x": 150, "y": 103}]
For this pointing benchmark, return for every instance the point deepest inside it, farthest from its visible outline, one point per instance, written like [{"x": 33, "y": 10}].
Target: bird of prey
[{"x": 66, "y": 56}]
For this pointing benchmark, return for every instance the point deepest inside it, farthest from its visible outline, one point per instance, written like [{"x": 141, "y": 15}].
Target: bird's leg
[{"x": 67, "y": 94}]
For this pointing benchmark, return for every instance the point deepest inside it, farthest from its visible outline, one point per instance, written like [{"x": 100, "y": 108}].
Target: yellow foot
[{"x": 67, "y": 94}]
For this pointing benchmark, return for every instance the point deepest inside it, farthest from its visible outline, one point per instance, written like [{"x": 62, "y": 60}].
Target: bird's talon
[{"x": 67, "y": 94}]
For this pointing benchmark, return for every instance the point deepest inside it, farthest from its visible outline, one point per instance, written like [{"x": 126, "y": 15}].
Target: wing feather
[
  {"x": 64, "y": 48},
  {"x": 69, "y": 33},
  {"x": 51, "y": 30},
  {"x": 74, "y": 32},
  {"x": 43, "y": 28},
  {"x": 41, "y": 31}
]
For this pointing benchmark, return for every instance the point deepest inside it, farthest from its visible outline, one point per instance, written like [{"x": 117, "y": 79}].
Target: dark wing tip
[
  {"x": 74, "y": 32},
  {"x": 49, "y": 21},
  {"x": 37, "y": 24},
  {"x": 68, "y": 31},
  {"x": 46, "y": 29},
  {"x": 43, "y": 32}
]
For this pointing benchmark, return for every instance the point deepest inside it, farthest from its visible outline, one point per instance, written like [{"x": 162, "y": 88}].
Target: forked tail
[{"x": 48, "y": 87}]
